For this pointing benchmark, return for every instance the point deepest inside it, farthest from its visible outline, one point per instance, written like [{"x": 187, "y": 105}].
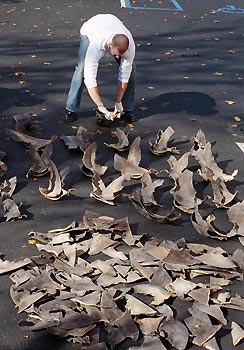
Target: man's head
[{"x": 119, "y": 45}]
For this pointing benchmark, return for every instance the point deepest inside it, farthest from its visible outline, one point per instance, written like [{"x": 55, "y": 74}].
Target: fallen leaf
[
  {"x": 19, "y": 74},
  {"x": 32, "y": 241},
  {"x": 143, "y": 108}
]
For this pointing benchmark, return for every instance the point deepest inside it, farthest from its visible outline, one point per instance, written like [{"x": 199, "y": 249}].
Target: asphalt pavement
[{"x": 189, "y": 58}]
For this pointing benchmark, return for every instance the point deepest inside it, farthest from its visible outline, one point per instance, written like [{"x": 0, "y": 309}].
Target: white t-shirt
[{"x": 100, "y": 30}]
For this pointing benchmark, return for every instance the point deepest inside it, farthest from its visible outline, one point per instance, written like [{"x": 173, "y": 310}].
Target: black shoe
[
  {"x": 69, "y": 116},
  {"x": 129, "y": 117}
]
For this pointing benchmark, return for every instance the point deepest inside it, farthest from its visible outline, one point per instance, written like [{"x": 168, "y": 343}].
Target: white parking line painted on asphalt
[
  {"x": 240, "y": 145},
  {"x": 175, "y": 6}
]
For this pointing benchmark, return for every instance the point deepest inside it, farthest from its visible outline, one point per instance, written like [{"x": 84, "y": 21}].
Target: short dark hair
[{"x": 121, "y": 42}]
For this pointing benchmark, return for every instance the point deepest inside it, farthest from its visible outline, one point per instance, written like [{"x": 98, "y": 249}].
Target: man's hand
[
  {"x": 108, "y": 115},
  {"x": 118, "y": 110}
]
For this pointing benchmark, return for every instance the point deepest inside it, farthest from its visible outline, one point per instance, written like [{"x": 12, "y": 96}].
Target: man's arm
[
  {"x": 95, "y": 96},
  {"x": 121, "y": 87}
]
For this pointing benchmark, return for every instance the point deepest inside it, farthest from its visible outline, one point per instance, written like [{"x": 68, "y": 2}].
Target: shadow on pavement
[
  {"x": 41, "y": 340},
  {"x": 16, "y": 97},
  {"x": 191, "y": 102}
]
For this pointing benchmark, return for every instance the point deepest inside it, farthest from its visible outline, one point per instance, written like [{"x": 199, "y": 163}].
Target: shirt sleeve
[{"x": 93, "y": 56}]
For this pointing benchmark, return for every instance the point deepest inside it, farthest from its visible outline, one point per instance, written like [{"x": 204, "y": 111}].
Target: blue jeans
[{"x": 77, "y": 82}]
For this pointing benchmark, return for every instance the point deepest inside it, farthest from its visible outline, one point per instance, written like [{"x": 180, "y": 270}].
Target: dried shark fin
[
  {"x": 91, "y": 219},
  {"x": 217, "y": 257},
  {"x": 126, "y": 167},
  {"x": 130, "y": 165},
  {"x": 8, "y": 266},
  {"x": 204, "y": 156},
  {"x": 89, "y": 166},
  {"x": 159, "y": 294},
  {"x": 98, "y": 243},
  {"x": 237, "y": 333},
  {"x": 176, "y": 333},
  {"x": 108, "y": 193},
  {"x": 184, "y": 193},
  {"x": 236, "y": 303},
  {"x": 26, "y": 123},
  {"x": 27, "y": 139},
  {"x": 3, "y": 166},
  {"x": 138, "y": 307},
  {"x": 149, "y": 342},
  {"x": 136, "y": 199},
  {"x": 63, "y": 173},
  {"x": 134, "y": 155},
  {"x": 160, "y": 145},
  {"x": 180, "y": 287},
  {"x": 235, "y": 215},
  {"x": 177, "y": 166},
  {"x": 200, "y": 294},
  {"x": 149, "y": 325},
  {"x": 7, "y": 187},
  {"x": 148, "y": 188},
  {"x": 211, "y": 310},
  {"x": 11, "y": 210},
  {"x": 199, "y": 140},
  {"x": 222, "y": 196},
  {"x": 123, "y": 142},
  {"x": 40, "y": 162},
  {"x": 54, "y": 190},
  {"x": 211, "y": 344},
  {"x": 95, "y": 273},
  {"x": 201, "y": 328},
  {"x": 125, "y": 327},
  {"x": 80, "y": 140},
  {"x": 98, "y": 275},
  {"x": 204, "y": 226}
]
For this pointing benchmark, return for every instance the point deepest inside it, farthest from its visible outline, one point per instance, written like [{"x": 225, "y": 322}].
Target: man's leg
[
  {"x": 128, "y": 100},
  {"x": 77, "y": 84}
]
